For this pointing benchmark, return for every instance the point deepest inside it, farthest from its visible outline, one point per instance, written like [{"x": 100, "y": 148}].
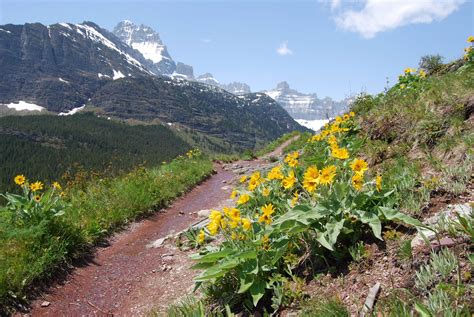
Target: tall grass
[{"x": 31, "y": 253}]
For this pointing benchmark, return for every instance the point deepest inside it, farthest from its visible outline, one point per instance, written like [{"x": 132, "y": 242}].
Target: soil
[{"x": 131, "y": 276}]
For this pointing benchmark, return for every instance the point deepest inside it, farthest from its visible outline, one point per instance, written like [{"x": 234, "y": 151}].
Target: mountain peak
[
  {"x": 148, "y": 42},
  {"x": 283, "y": 86}
]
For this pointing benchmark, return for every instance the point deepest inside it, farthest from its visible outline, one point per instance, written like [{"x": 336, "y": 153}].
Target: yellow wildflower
[
  {"x": 201, "y": 237},
  {"x": 359, "y": 166},
  {"x": 243, "y": 179},
  {"x": 57, "y": 186},
  {"x": 233, "y": 194},
  {"x": 327, "y": 175},
  {"x": 422, "y": 73},
  {"x": 275, "y": 173},
  {"x": 20, "y": 180},
  {"x": 352, "y": 114},
  {"x": 234, "y": 214},
  {"x": 246, "y": 223},
  {"x": 234, "y": 236},
  {"x": 340, "y": 153},
  {"x": 294, "y": 200},
  {"x": 289, "y": 181},
  {"x": 311, "y": 179},
  {"x": 265, "y": 242},
  {"x": 292, "y": 156},
  {"x": 37, "y": 198},
  {"x": 332, "y": 141},
  {"x": 215, "y": 216},
  {"x": 234, "y": 223},
  {"x": 316, "y": 138},
  {"x": 357, "y": 181},
  {"x": 378, "y": 183},
  {"x": 338, "y": 119},
  {"x": 243, "y": 199},
  {"x": 213, "y": 228},
  {"x": 346, "y": 117},
  {"x": 293, "y": 163},
  {"x": 265, "y": 192},
  {"x": 264, "y": 218},
  {"x": 470, "y": 39},
  {"x": 268, "y": 209},
  {"x": 36, "y": 186},
  {"x": 409, "y": 70}
]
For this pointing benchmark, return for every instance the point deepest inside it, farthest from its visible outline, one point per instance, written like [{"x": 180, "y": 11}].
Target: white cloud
[
  {"x": 206, "y": 41},
  {"x": 335, "y": 4},
  {"x": 283, "y": 49},
  {"x": 382, "y": 15}
]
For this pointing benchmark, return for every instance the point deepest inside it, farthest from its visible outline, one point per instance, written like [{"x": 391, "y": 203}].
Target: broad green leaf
[
  {"x": 246, "y": 281},
  {"x": 250, "y": 266},
  {"x": 257, "y": 290},
  {"x": 212, "y": 257},
  {"x": 392, "y": 214},
  {"x": 333, "y": 230},
  {"x": 372, "y": 220},
  {"x": 322, "y": 239}
]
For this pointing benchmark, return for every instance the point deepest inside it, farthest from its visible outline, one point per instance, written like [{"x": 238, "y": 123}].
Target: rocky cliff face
[
  {"x": 306, "y": 106},
  {"x": 61, "y": 65},
  {"x": 145, "y": 40}
]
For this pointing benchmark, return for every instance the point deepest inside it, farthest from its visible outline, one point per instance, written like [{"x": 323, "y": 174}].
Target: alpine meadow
[{"x": 131, "y": 186}]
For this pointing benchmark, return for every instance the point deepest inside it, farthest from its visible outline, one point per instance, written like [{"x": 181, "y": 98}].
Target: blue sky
[{"x": 331, "y": 47}]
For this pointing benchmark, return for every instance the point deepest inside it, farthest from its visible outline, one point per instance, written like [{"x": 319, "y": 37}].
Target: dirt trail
[{"x": 138, "y": 271}]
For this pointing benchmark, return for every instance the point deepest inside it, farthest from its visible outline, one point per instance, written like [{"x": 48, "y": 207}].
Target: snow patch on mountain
[
  {"x": 23, "y": 105},
  {"x": 314, "y": 125},
  {"x": 72, "y": 111},
  {"x": 117, "y": 74}
]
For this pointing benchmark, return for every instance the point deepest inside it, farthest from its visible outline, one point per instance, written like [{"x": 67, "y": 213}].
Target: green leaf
[
  {"x": 422, "y": 310},
  {"x": 322, "y": 239},
  {"x": 392, "y": 214},
  {"x": 245, "y": 282},
  {"x": 333, "y": 230},
  {"x": 372, "y": 220},
  {"x": 257, "y": 290},
  {"x": 212, "y": 257}
]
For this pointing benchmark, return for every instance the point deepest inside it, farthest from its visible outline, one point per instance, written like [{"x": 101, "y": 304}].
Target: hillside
[
  {"x": 62, "y": 67},
  {"x": 47, "y": 147},
  {"x": 243, "y": 122}
]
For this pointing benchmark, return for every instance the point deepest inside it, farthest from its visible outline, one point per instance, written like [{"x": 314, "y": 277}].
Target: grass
[
  {"x": 423, "y": 132},
  {"x": 325, "y": 307},
  {"x": 31, "y": 254},
  {"x": 276, "y": 143}
]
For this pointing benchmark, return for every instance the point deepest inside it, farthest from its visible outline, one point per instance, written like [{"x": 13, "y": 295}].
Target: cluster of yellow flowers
[
  {"x": 34, "y": 187},
  {"x": 226, "y": 221},
  {"x": 283, "y": 180},
  {"x": 193, "y": 153},
  {"x": 468, "y": 51}
]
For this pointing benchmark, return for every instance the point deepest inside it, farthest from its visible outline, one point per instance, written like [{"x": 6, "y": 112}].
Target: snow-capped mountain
[
  {"x": 58, "y": 66},
  {"x": 306, "y": 106},
  {"x": 148, "y": 42}
]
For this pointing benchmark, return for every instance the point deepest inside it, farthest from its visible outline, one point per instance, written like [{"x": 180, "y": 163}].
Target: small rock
[
  {"x": 181, "y": 212},
  {"x": 156, "y": 244},
  {"x": 224, "y": 181},
  {"x": 45, "y": 304},
  {"x": 204, "y": 213},
  {"x": 153, "y": 271}
]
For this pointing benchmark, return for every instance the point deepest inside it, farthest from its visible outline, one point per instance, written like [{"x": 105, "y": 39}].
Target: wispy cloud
[
  {"x": 283, "y": 49},
  {"x": 377, "y": 16},
  {"x": 206, "y": 41}
]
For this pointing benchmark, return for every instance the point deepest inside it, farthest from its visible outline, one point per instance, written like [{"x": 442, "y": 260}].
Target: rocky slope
[{"x": 306, "y": 106}]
